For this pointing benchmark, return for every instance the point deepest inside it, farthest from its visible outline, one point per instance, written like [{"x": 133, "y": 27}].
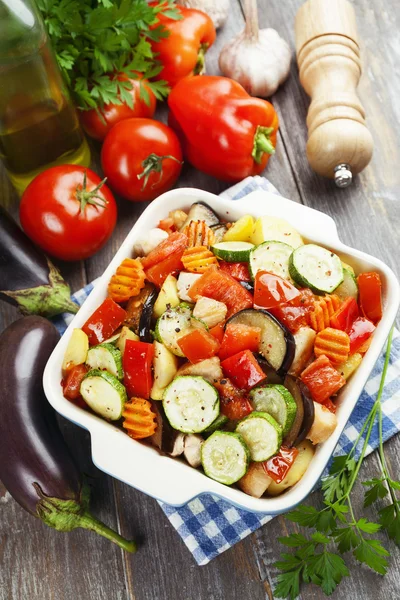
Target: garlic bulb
[
  {"x": 257, "y": 59},
  {"x": 216, "y": 9}
]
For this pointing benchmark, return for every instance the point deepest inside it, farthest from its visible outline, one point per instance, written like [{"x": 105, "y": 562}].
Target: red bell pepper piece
[
  {"x": 243, "y": 370},
  {"x": 218, "y": 331},
  {"x": 330, "y": 405},
  {"x": 271, "y": 291},
  {"x": 295, "y": 313},
  {"x": 72, "y": 384},
  {"x": 182, "y": 52},
  {"x": 174, "y": 244},
  {"x": 360, "y": 331},
  {"x": 137, "y": 364},
  {"x": 218, "y": 285},
  {"x": 239, "y": 337},
  {"x": 104, "y": 321},
  {"x": 198, "y": 345},
  {"x": 322, "y": 379},
  {"x": 239, "y": 271},
  {"x": 370, "y": 290},
  {"x": 345, "y": 316},
  {"x": 223, "y": 131},
  {"x": 158, "y": 273},
  {"x": 233, "y": 402},
  {"x": 278, "y": 466}
]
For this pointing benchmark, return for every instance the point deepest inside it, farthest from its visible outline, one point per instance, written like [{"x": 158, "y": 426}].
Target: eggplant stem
[{"x": 88, "y": 521}]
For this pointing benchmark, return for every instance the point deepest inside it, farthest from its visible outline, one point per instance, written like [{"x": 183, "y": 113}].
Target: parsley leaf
[
  {"x": 372, "y": 553},
  {"x": 378, "y": 490}
]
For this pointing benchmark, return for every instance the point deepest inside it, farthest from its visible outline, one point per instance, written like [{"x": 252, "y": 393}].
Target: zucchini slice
[
  {"x": 172, "y": 325},
  {"x": 348, "y": 287},
  {"x": 277, "y": 344},
  {"x": 278, "y": 402},
  {"x": 225, "y": 457},
  {"x": 191, "y": 404},
  {"x": 271, "y": 256},
  {"x": 262, "y": 435},
  {"x": 233, "y": 251},
  {"x": 316, "y": 267},
  {"x": 104, "y": 394},
  {"x": 106, "y": 356}
]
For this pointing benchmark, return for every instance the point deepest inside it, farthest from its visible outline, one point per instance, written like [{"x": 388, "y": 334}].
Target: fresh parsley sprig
[
  {"x": 338, "y": 530},
  {"x": 95, "y": 40}
]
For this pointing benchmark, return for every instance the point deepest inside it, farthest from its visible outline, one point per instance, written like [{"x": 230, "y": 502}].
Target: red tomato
[
  {"x": 233, "y": 402},
  {"x": 271, "y": 291},
  {"x": 295, "y": 313},
  {"x": 218, "y": 285},
  {"x": 104, "y": 321},
  {"x": 239, "y": 337},
  {"x": 141, "y": 159},
  {"x": 344, "y": 317},
  {"x": 243, "y": 370},
  {"x": 67, "y": 212},
  {"x": 198, "y": 345},
  {"x": 278, "y": 466},
  {"x": 370, "y": 289},
  {"x": 322, "y": 379},
  {"x": 97, "y": 123},
  {"x": 239, "y": 271},
  {"x": 137, "y": 364},
  {"x": 72, "y": 383},
  {"x": 360, "y": 331}
]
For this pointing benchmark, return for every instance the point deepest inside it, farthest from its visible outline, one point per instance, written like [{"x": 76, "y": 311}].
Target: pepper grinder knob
[{"x": 328, "y": 54}]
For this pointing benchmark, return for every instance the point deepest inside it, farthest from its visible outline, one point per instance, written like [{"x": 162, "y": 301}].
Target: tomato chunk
[
  {"x": 278, "y": 466},
  {"x": 271, "y": 291},
  {"x": 295, "y": 313},
  {"x": 158, "y": 273},
  {"x": 239, "y": 337},
  {"x": 322, "y": 379},
  {"x": 104, "y": 321},
  {"x": 344, "y": 317},
  {"x": 370, "y": 290},
  {"x": 174, "y": 244},
  {"x": 137, "y": 365},
  {"x": 72, "y": 383},
  {"x": 218, "y": 331},
  {"x": 239, "y": 271},
  {"x": 233, "y": 402},
  {"x": 360, "y": 331},
  {"x": 243, "y": 370},
  {"x": 218, "y": 285},
  {"x": 198, "y": 345}
]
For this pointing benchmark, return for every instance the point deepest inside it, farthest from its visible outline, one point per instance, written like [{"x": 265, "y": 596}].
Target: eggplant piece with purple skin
[
  {"x": 28, "y": 279},
  {"x": 166, "y": 439},
  {"x": 305, "y": 411},
  {"x": 36, "y": 466},
  {"x": 146, "y": 315}
]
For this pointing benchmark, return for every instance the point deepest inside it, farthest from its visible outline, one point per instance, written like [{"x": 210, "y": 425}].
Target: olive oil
[{"x": 39, "y": 126}]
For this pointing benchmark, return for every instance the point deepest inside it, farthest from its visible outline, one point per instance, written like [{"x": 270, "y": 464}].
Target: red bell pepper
[
  {"x": 72, "y": 384},
  {"x": 295, "y": 313},
  {"x": 345, "y": 316},
  {"x": 322, "y": 379},
  {"x": 158, "y": 273},
  {"x": 330, "y": 405},
  {"x": 218, "y": 331},
  {"x": 233, "y": 402},
  {"x": 239, "y": 271},
  {"x": 370, "y": 290},
  {"x": 182, "y": 53},
  {"x": 243, "y": 370},
  {"x": 360, "y": 331},
  {"x": 198, "y": 345},
  {"x": 223, "y": 131},
  {"x": 104, "y": 321},
  {"x": 174, "y": 244},
  {"x": 239, "y": 337},
  {"x": 218, "y": 285},
  {"x": 271, "y": 291},
  {"x": 278, "y": 466},
  {"x": 137, "y": 365}
]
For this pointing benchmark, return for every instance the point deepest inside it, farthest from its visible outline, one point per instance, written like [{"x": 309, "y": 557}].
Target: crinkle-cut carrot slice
[
  {"x": 139, "y": 419},
  {"x": 332, "y": 343},
  {"x": 199, "y": 234},
  {"x": 127, "y": 281},
  {"x": 198, "y": 259}
]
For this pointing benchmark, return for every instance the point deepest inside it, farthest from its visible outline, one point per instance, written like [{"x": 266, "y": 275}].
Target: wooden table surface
[{"x": 39, "y": 563}]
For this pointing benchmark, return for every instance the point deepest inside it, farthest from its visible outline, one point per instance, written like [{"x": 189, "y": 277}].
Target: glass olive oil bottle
[{"x": 39, "y": 127}]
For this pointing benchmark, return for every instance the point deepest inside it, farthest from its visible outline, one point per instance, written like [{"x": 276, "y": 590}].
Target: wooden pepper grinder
[{"x": 328, "y": 54}]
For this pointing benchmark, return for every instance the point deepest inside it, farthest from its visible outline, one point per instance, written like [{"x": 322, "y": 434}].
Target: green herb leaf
[
  {"x": 378, "y": 490},
  {"x": 372, "y": 554},
  {"x": 288, "y": 584},
  {"x": 327, "y": 570},
  {"x": 389, "y": 518}
]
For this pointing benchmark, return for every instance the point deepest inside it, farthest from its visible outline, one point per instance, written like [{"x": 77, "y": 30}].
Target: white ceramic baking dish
[{"x": 172, "y": 480}]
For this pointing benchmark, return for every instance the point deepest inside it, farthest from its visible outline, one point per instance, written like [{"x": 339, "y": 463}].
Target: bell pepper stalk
[
  {"x": 361, "y": 330},
  {"x": 370, "y": 295},
  {"x": 104, "y": 321},
  {"x": 322, "y": 379},
  {"x": 345, "y": 316},
  {"x": 137, "y": 364},
  {"x": 182, "y": 50},
  {"x": 233, "y": 402},
  {"x": 243, "y": 370},
  {"x": 198, "y": 345},
  {"x": 239, "y": 337},
  {"x": 223, "y": 130},
  {"x": 271, "y": 290},
  {"x": 279, "y": 466}
]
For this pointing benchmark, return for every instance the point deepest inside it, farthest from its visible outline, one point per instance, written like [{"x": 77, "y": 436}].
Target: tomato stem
[
  {"x": 262, "y": 143},
  {"x": 88, "y": 197},
  {"x": 153, "y": 164}
]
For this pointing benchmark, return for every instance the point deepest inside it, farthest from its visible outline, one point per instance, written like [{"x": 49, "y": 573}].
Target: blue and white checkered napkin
[{"x": 209, "y": 525}]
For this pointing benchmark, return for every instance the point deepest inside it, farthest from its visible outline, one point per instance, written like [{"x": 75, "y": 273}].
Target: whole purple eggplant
[{"x": 36, "y": 466}]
